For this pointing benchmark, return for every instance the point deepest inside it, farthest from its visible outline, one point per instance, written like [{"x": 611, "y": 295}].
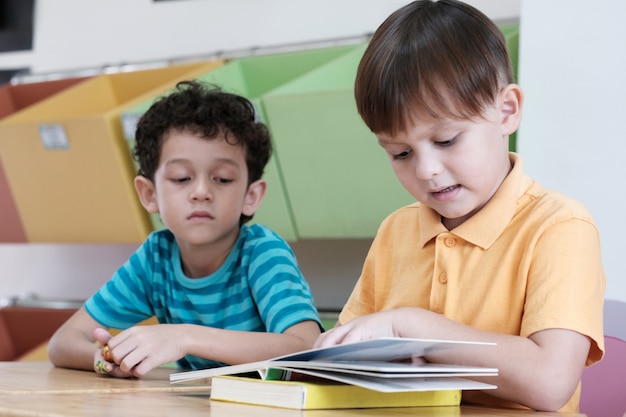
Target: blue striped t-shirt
[{"x": 258, "y": 288}]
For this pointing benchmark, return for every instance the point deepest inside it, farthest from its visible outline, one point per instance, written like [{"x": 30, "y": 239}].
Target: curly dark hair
[{"x": 208, "y": 112}]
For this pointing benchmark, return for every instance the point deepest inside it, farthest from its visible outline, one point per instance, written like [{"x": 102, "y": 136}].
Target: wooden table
[{"x": 37, "y": 389}]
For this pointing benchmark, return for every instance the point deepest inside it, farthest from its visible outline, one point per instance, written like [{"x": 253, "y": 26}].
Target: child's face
[
  {"x": 201, "y": 188},
  {"x": 453, "y": 166}
]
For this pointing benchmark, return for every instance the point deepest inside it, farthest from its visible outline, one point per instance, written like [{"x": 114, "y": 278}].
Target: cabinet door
[
  {"x": 253, "y": 77},
  {"x": 14, "y": 98},
  {"x": 68, "y": 165},
  {"x": 338, "y": 180}
]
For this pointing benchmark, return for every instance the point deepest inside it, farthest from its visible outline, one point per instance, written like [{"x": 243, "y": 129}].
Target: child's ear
[
  {"x": 512, "y": 98},
  {"x": 254, "y": 197},
  {"x": 147, "y": 194}
]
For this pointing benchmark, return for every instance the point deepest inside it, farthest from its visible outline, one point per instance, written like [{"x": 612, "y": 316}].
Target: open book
[{"x": 380, "y": 364}]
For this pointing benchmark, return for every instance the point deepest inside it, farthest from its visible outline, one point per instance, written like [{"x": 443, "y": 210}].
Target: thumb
[{"x": 102, "y": 336}]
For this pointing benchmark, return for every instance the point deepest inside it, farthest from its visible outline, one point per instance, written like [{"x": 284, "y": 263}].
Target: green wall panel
[{"x": 339, "y": 181}]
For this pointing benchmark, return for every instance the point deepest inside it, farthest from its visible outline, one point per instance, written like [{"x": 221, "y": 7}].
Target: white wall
[
  {"x": 76, "y": 34},
  {"x": 572, "y": 137},
  {"x": 572, "y": 67},
  {"x": 71, "y": 272},
  {"x": 72, "y": 34},
  {"x": 74, "y": 272}
]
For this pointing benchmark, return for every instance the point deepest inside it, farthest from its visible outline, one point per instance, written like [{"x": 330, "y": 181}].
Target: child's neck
[
  {"x": 451, "y": 223},
  {"x": 200, "y": 262}
]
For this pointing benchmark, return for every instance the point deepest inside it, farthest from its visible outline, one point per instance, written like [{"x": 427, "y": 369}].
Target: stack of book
[{"x": 373, "y": 373}]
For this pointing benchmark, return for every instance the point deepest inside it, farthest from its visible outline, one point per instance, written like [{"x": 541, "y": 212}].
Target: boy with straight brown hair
[{"x": 487, "y": 253}]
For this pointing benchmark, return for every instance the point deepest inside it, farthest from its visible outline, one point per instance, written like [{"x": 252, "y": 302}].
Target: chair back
[{"x": 604, "y": 383}]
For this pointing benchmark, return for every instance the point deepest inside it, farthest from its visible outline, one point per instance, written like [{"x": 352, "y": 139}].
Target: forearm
[
  {"x": 234, "y": 347},
  {"x": 541, "y": 371},
  {"x": 71, "y": 348}
]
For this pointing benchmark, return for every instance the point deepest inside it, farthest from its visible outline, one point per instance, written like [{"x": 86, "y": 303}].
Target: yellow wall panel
[{"x": 69, "y": 166}]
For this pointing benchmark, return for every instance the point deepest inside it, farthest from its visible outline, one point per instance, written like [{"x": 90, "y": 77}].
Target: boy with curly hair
[{"x": 223, "y": 292}]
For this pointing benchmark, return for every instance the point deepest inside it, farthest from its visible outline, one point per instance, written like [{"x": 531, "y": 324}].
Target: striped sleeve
[
  {"x": 123, "y": 301},
  {"x": 280, "y": 291}
]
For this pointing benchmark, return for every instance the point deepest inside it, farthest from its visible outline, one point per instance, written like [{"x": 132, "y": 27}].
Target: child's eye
[
  {"x": 401, "y": 155},
  {"x": 181, "y": 179},
  {"x": 446, "y": 143},
  {"x": 223, "y": 180}
]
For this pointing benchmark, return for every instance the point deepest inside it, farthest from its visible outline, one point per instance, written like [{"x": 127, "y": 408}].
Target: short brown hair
[{"x": 443, "y": 57}]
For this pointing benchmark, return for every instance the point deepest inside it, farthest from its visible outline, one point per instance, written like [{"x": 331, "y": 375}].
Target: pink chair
[{"x": 604, "y": 383}]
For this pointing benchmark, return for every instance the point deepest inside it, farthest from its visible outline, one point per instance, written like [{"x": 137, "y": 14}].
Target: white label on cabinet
[
  {"x": 129, "y": 125},
  {"x": 54, "y": 137}
]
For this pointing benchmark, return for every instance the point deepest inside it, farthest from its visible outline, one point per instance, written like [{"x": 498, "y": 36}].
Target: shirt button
[
  {"x": 450, "y": 242},
  {"x": 443, "y": 278}
]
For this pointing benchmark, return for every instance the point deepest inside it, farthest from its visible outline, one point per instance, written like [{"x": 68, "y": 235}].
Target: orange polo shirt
[{"x": 529, "y": 260}]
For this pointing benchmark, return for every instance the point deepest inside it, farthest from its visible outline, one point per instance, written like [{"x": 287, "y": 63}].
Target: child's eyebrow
[
  {"x": 437, "y": 125},
  {"x": 185, "y": 161},
  {"x": 176, "y": 161},
  {"x": 229, "y": 161},
  {"x": 383, "y": 142}
]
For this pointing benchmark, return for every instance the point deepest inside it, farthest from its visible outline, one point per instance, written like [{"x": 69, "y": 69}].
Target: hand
[
  {"x": 371, "y": 326},
  {"x": 105, "y": 365},
  {"x": 139, "y": 349}
]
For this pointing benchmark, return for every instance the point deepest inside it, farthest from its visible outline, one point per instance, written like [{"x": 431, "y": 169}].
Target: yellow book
[{"x": 314, "y": 394}]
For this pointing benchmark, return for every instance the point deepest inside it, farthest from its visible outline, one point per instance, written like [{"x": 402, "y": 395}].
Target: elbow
[
  {"x": 549, "y": 404},
  {"x": 551, "y": 396},
  {"x": 52, "y": 352}
]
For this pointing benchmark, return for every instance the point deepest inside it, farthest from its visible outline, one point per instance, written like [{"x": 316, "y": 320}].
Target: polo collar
[{"x": 484, "y": 227}]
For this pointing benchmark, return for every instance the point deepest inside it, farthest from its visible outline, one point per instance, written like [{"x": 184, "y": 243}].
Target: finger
[
  {"x": 103, "y": 368},
  {"x": 118, "y": 373},
  {"x": 418, "y": 360},
  {"x": 143, "y": 368},
  {"x": 322, "y": 340},
  {"x": 106, "y": 353},
  {"x": 129, "y": 359},
  {"x": 102, "y": 336},
  {"x": 332, "y": 337},
  {"x": 353, "y": 337}
]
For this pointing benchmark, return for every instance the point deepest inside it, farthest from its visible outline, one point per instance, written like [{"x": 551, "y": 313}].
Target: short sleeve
[
  {"x": 280, "y": 291},
  {"x": 566, "y": 283},
  {"x": 122, "y": 301}
]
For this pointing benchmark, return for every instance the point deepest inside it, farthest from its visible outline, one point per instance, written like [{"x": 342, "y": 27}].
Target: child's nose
[
  {"x": 427, "y": 165},
  {"x": 201, "y": 190}
]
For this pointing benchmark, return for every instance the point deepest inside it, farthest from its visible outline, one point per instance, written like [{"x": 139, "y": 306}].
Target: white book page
[
  {"x": 224, "y": 370},
  {"x": 385, "y": 368},
  {"x": 383, "y": 349},
  {"x": 401, "y": 384},
  {"x": 389, "y": 370}
]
